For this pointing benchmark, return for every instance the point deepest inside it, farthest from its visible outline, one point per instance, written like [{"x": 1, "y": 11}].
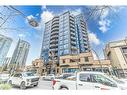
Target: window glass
[
  {"x": 61, "y": 52},
  {"x": 17, "y": 75},
  {"x": 61, "y": 38},
  {"x": 66, "y": 32},
  {"x": 66, "y": 51},
  {"x": 66, "y": 46},
  {"x": 66, "y": 41},
  {"x": 61, "y": 47},
  {"x": 84, "y": 77},
  {"x": 61, "y": 34},
  {"x": 102, "y": 80},
  {"x": 65, "y": 36},
  {"x": 61, "y": 42},
  {"x": 86, "y": 59}
]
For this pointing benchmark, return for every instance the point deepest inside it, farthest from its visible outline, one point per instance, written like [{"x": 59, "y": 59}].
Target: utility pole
[
  {"x": 52, "y": 58},
  {"x": 98, "y": 60}
]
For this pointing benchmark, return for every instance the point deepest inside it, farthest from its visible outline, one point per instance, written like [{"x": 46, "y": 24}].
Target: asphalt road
[{"x": 43, "y": 85}]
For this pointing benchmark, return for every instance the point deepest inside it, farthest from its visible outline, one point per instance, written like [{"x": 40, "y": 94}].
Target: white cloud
[
  {"x": 37, "y": 14},
  {"x": 76, "y": 12},
  {"x": 93, "y": 38},
  {"x": 104, "y": 23},
  {"x": 46, "y": 16},
  {"x": 43, "y": 7},
  {"x": 22, "y": 36},
  {"x": 30, "y": 17}
]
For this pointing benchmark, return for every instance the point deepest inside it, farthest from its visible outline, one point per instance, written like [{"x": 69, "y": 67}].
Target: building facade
[
  {"x": 38, "y": 67},
  {"x": 6, "y": 63},
  {"x": 5, "y": 43},
  {"x": 83, "y": 62},
  {"x": 117, "y": 52},
  {"x": 65, "y": 34},
  {"x": 20, "y": 54}
]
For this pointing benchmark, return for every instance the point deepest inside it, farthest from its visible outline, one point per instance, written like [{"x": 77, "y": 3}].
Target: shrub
[{"x": 5, "y": 86}]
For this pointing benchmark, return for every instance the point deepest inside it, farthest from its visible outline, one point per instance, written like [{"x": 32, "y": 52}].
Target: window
[
  {"x": 61, "y": 34},
  {"x": 17, "y": 75},
  {"x": 61, "y": 47},
  {"x": 65, "y": 36},
  {"x": 86, "y": 59},
  {"x": 124, "y": 50},
  {"x": 61, "y": 52},
  {"x": 61, "y": 38},
  {"x": 66, "y": 46},
  {"x": 66, "y": 51},
  {"x": 84, "y": 77},
  {"x": 65, "y": 41},
  {"x": 63, "y": 60},
  {"x": 66, "y": 32},
  {"x": 61, "y": 42},
  {"x": 102, "y": 80},
  {"x": 74, "y": 60}
]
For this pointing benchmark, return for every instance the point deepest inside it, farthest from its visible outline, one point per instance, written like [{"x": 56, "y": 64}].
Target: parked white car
[
  {"x": 4, "y": 77},
  {"x": 89, "y": 81},
  {"x": 49, "y": 77},
  {"x": 24, "y": 79}
]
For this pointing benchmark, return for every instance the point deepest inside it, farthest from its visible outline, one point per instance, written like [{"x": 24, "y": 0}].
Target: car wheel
[
  {"x": 36, "y": 84},
  {"x": 52, "y": 78},
  {"x": 63, "y": 88},
  {"x": 10, "y": 82},
  {"x": 22, "y": 85}
]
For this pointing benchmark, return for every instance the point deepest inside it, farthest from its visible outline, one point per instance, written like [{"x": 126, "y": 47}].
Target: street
[{"x": 43, "y": 85}]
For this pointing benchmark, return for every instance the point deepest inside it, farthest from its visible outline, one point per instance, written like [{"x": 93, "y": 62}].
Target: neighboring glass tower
[
  {"x": 5, "y": 44},
  {"x": 20, "y": 54},
  {"x": 65, "y": 34},
  {"x": 81, "y": 34}
]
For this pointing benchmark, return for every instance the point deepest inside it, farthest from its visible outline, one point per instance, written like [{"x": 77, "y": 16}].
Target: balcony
[
  {"x": 54, "y": 49},
  {"x": 53, "y": 41},
  {"x": 54, "y": 34},
  {"x": 55, "y": 24},
  {"x": 72, "y": 26},
  {"x": 54, "y": 45},
  {"x": 71, "y": 18},
  {"x": 73, "y": 39},
  {"x": 72, "y": 22},
  {"x": 73, "y": 43},
  {"x": 55, "y": 18},
  {"x": 73, "y": 47},
  {"x": 73, "y": 33},
  {"x": 55, "y": 27}
]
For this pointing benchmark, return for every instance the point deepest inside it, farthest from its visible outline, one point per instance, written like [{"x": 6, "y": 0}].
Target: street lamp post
[
  {"x": 98, "y": 60},
  {"x": 78, "y": 59},
  {"x": 52, "y": 57},
  {"x": 31, "y": 21}
]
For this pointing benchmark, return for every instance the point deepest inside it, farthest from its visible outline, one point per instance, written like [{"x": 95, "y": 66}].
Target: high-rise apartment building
[
  {"x": 20, "y": 54},
  {"x": 5, "y": 43},
  {"x": 63, "y": 35}
]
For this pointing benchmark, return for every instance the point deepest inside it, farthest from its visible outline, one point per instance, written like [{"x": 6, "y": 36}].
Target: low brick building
[{"x": 82, "y": 61}]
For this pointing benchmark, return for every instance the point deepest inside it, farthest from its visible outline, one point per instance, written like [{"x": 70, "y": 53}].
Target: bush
[{"x": 5, "y": 86}]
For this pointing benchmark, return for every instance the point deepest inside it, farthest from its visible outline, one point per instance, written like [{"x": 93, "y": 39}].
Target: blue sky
[{"x": 110, "y": 26}]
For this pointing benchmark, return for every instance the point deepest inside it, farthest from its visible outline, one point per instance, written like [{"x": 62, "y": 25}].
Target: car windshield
[
  {"x": 117, "y": 80},
  {"x": 28, "y": 74},
  {"x": 67, "y": 75}
]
